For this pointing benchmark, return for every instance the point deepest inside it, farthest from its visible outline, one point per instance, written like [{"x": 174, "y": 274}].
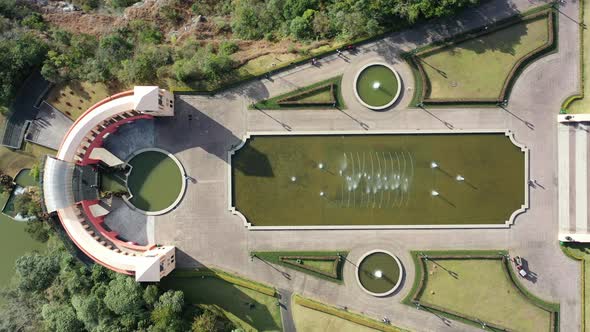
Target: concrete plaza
[{"x": 206, "y": 233}]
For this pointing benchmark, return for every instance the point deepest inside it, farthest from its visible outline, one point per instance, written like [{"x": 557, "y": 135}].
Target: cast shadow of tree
[{"x": 216, "y": 294}]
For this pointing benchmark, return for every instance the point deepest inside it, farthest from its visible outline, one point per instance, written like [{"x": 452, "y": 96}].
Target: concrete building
[{"x": 71, "y": 184}]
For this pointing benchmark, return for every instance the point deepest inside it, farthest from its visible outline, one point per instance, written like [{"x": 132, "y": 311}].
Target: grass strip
[
  {"x": 421, "y": 278},
  {"x": 273, "y": 103},
  {"x": 274, "y": 257},
  {"x": 346, "y": 315},
  {"x": 423, "y": 84},
  {"x": 231, "y": 278}
]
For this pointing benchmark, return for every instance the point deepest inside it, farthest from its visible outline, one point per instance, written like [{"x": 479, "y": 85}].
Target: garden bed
[
  {"x": 320, "y": 95},
  {"x": 448, "y": 282},
  {"x": 322, "y": 264},
  {"x": 450, "y": 72}
]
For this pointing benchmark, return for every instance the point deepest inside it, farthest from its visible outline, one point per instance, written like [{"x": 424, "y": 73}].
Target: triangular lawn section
[{"x": 322, "y": 264}]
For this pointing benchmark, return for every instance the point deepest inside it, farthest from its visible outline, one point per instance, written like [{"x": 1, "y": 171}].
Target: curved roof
[{"x": 59, "y": 196}]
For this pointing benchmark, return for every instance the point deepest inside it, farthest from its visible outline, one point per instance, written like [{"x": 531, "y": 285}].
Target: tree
[
  {"x": 251, "y": 19},
  {"x": 150, "y": 295},
  {"x": 6, "y": 182},
  {"x": 28, "y": 204},
  {"x": 294, "y": 8},
  {"x": 140, "y": 69},
  {"x": 34, "y": 21},
  {"x": 36, "y": 272},
  {"x": 124, "y": 296},
  {"x": 38, "y": 230},
  {"x": 301, "y": 27},
  {"x": 60, "y": 318},
  {"x": 20, "y": 52},
  {"x": 167, "y": 314},
  {"x": 210, "y": 321}
]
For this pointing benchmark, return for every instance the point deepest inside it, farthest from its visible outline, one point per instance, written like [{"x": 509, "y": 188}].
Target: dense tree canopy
[{"x": 56, "y": 292}]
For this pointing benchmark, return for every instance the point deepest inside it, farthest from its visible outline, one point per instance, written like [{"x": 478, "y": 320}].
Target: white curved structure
[
  {"x": 377, "y": 85},
  {"x": 76, "y": 202}
]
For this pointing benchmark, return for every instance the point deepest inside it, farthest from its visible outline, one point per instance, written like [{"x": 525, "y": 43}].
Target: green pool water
[
  {"x": 14, "y": 240},
  {"x": 388, "y": 268},
  {"x": 366, "y": 85},
  {"x": 155, "y": 181},
  {"x": 378, "y": 179}
]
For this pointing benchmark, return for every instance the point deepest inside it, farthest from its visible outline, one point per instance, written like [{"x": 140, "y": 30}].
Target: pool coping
[
  {"x": 399, "y": 280},
  {"x": 172, "y": 206},
  {"x": 397, "y": 77},
  {"x": 507, "y": 224}
]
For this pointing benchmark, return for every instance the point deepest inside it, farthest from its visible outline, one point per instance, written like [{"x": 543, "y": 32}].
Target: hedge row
[
  {"x": 423, "y": 90},
  {"x": 231, "y": 278},
  {"x": 346, "y": 315},
  {"x": 421, "y": 277}
]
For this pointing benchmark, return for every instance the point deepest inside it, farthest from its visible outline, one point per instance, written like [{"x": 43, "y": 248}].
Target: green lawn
[
  {"x": 325, "y": 266},
  {"x": 582, "y": 105},
  {"x": 482, "y": 290},
  {"x": 247, "y": 308},
  {"x": 581, "y": 252},
  {"x": 273, "y": 102},
  {"x": 477, "y": 68},
  {"x": 74, "y": 98},
  {"x": 310, "y": 320}
]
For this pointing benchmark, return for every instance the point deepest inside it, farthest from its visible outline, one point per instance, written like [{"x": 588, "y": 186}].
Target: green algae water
[
  {"x": 155, "y": 181},
  {"x": 378, "y": 272},
  {"x": 377, "y": 85},
  {"x": 331, "y": 180}
]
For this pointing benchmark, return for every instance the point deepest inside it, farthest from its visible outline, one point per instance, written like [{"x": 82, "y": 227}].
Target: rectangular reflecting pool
[{"x": 377, "y": 180}]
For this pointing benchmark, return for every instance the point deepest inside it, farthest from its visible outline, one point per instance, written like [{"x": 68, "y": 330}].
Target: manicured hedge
[{"x": 346, "y": 315}]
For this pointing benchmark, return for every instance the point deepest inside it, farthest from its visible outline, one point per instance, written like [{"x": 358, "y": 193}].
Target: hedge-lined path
[{"x": 206, "y": 233}]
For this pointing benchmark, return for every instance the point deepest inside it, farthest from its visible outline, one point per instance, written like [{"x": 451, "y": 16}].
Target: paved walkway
[
  {"x": 287, "y": 310},
  {"x": 205, "y": 233}
]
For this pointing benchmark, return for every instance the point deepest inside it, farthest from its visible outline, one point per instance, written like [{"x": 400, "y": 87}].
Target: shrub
[
  {"x": 34, "y": 21},
  {"x": 228, "y": 47}
]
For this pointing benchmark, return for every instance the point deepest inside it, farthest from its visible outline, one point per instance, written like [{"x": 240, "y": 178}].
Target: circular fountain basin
[
  {"x": 156, "y": 181},
  {"x": 379, "y": 273},
  {"x": 377, "y": 86}
]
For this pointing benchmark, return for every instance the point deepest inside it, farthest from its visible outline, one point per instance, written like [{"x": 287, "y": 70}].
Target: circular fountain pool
[
  {"x": 377, "y": 86},
  {"x": 379, "y": 273},
  {"x": 155, "y": 182}
]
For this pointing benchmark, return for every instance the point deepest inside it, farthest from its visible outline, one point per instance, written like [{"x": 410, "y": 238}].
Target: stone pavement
[{"x": 206, "y": 233}]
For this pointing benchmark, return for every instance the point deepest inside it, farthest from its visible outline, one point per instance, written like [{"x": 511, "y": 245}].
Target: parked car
[{"x": 519, "y": 266}]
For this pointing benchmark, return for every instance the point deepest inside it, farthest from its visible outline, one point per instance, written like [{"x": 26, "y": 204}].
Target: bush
[
  {"x": 228, "y": 47},
  {"x": 170, "y": 14},
  {"x": 34, "y": 21},
  {"x": 121, "y": 3}
]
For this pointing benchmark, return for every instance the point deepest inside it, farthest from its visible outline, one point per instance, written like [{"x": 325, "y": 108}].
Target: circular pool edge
[
  {"x": 182, "y": 186},
  {"x": 393, "y": 100},
  {"x": 395, "y": 287}
]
